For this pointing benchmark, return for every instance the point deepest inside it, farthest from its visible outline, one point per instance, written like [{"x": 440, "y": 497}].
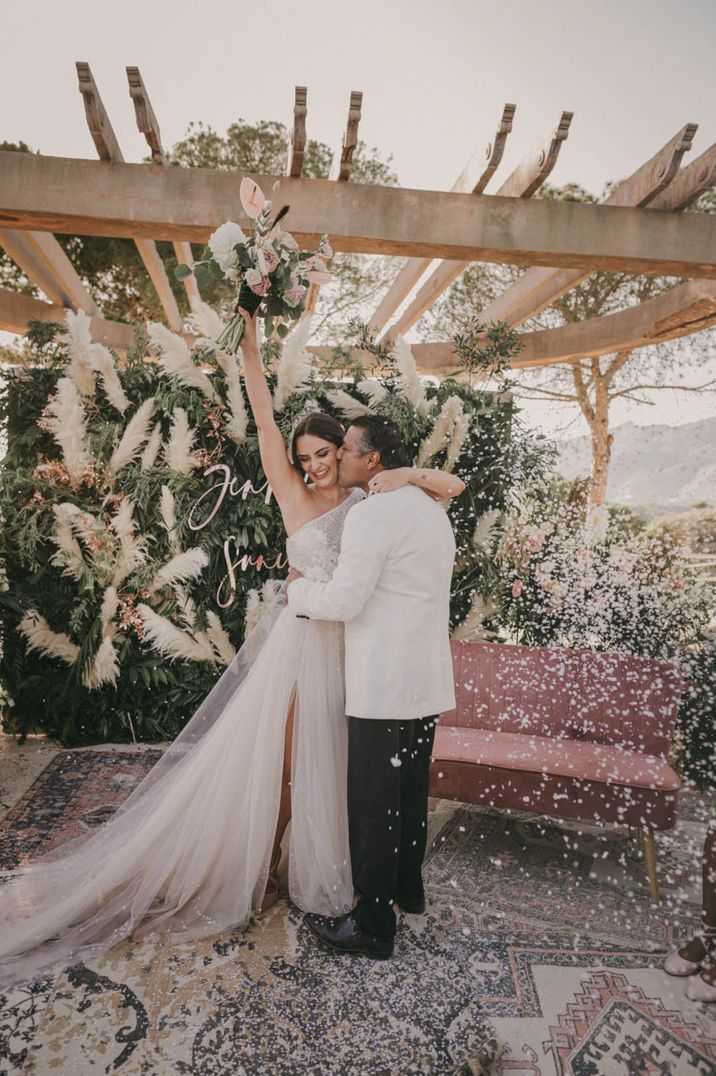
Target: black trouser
[{"x": 388, "y": 764}]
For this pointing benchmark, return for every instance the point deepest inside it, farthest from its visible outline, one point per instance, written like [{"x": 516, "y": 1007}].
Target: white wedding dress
[{"x": 187, "y": 855}]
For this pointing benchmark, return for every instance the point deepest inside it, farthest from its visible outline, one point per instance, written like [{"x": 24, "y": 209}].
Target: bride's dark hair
[{"x": 320, "y": 425}]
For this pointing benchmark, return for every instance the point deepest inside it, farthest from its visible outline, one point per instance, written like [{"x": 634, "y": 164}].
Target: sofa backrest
[{"x": 569, "y": 694}]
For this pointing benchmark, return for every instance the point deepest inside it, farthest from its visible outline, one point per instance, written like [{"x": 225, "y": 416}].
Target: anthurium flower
[{"x": 252, "y": 198}]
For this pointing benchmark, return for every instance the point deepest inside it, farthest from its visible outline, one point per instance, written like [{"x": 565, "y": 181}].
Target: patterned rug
[{"x": 539, "y": 954}]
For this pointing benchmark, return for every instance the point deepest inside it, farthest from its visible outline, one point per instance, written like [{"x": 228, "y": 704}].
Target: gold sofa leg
[{"x": 650, "y": 856}]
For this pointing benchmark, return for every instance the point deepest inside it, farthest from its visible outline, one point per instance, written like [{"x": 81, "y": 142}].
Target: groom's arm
[{"x": 363, "y": 552}]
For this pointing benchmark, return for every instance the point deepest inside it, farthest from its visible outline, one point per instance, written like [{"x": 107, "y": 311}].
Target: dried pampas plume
[
  {"x": 484, "y": 534},
  {"x": 69, "y": 555},
  {"x": 152, "y": 447},
  {"x": 410, "y": 384},
  {"x": 135, "y": 434},
  {"x": 350, "y": 407},
  {"x": 294, "y": 366},
  {"x": 132, "y": 551},
  {"x": 181, "y": 568},
  {"x": 440, "y": 435},
  {"x": 219, "y": 639},
  {"x": 66, "y": 422},
  {"x": 86, "y": 357},
  {"x": 167, "y": 506},
  {"x": 238, "y": 420},
  {"x": 178, "y": 449},
  {"x": 40, "y": 636},
  {"x": 104, "y": 667},
  {"x": 373, "y": 390},
  {"x": 171, "y": 641},
  {"x": 257, "y": 602},
  {"x": 176, "y": 361},
  {"x": 457, "y": 441},
  {"x": 471, "y": 630},
  {"x": 205, "y": 322}
]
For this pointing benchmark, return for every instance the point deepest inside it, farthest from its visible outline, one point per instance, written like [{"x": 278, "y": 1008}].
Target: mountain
[{"x": 652, "y": 467}]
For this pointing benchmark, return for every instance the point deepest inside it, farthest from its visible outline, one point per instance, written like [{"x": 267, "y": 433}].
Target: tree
[
  {"x": 594, "y": 382},
  {"x": 115, "y": 274}
]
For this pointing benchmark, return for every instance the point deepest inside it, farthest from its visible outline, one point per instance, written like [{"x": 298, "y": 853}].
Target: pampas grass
[
  {"x": 135, "y": 434},
  {"x": 257, "y": 602},
  {"x": 167, "y": 508},
  {"x": 104, "y": 668},
  {"x": 218, "y": 638},
  {"x": 132, "y": 551},
  {"x": 238, "y": 420},
  {"x": 171, "y": 641},
  {"x": 176, "y": 361},
  {"x": 181, "y": 568},
  {"x": 40, "y": 636},
  {"x": 483, "y": 537},
  {"x": 77, "y": 338},
  {"x": 69, "y": 555},
  {"x": 178, "y": 449},
  {"x": 205, "y": 322},
  {"x": 410, "y": 384},
  {"x": 440, "y": 435},
  {"x": 87, "y": 357},
  {"x": 457, "y": 441},
  {"x": 349, "y": 406},
  {"x": 151, "y": 450},
  {"x": 294, "y": 366},
  {"x": 375, "y": 392},
  {"x": 67, "y": 424},
  {"x": 471, "y": 630}
]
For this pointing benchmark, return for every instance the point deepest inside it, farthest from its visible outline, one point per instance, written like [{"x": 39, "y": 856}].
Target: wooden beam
[
  {"x": 538, "y": 287},
  {"x": 524, "y": 181},
  {"x": 690, "y": 183},
  {"x": 341, "y": 167},
  {"x": 45, "y": 263},
  {"x": 98, "y": 122},
  {"x": 412, "y": 270},
  {"x": 108, "y": 149},
  {"x": 298, "y": 133},
  {"x": 687, "y": 308},
  {"x": 144, "y": 113},
  {"x": 96, "y": 198},
  {"x": 149, "y": 126}
]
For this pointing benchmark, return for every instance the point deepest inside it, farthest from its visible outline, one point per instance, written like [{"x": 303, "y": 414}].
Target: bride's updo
[{"x": 318, "y": 424}]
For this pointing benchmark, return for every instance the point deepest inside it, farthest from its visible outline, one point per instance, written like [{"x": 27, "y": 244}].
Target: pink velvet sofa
[{"x": 568, "y": 733}]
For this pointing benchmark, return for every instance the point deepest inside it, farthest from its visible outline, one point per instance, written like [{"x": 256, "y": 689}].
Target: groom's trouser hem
[{"x": 388, "y": 772}]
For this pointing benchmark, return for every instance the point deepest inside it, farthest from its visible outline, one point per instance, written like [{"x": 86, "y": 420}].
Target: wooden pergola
[{"x": 641, "y": 228}]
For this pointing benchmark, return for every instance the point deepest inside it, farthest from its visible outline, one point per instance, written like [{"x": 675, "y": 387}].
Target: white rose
[{"x": 222, "y": 243}]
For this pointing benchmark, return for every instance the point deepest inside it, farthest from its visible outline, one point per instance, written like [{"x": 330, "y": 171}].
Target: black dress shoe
[
  {"x": 416, "y": 906},
  {"x": 345, "y": 936}
]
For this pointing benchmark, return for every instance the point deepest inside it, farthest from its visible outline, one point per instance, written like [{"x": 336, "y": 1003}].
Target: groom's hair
[{"x": 379, "y": 434}]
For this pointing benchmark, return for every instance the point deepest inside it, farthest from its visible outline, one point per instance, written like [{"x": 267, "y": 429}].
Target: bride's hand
[
  {"x": 249, "y": 326},
  {"x": 389, "y": 480}
]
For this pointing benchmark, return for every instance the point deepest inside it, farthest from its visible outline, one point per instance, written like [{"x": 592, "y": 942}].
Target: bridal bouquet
[{"x": 271, "y": 273}]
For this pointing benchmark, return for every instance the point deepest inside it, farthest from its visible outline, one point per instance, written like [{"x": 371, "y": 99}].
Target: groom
[{"x": 391, "y": 587}]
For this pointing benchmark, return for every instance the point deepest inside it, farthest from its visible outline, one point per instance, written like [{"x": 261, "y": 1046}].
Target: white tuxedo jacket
[{"x": 391, "y": 587}]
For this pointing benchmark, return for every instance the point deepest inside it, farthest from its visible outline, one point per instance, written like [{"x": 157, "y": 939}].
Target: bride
[{"x": 189, "y": 853}]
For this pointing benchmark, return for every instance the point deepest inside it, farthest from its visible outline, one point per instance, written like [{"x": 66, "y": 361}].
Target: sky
[{"x": 434, "y": 75}]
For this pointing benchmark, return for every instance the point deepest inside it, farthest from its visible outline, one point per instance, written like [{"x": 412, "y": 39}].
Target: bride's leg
[{"x": 284, "y": 812}]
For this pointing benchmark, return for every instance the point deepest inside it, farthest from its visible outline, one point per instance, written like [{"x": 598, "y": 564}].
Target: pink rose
[
  {"x": 259, "y": 284},
  {"x": 294, "y": 295},
  {"x": 267, "y": 258},
  {"x": 252, "y": 198},
  {"x": 517, "y": 588}
]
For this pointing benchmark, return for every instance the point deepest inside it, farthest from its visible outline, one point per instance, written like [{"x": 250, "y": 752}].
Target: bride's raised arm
[
  {"x": 440, "y": 485},
  {"x": 284, "y": 480}
]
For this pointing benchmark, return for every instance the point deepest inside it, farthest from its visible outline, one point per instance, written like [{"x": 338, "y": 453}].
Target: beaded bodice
[{"x": 314, "y": 548}]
